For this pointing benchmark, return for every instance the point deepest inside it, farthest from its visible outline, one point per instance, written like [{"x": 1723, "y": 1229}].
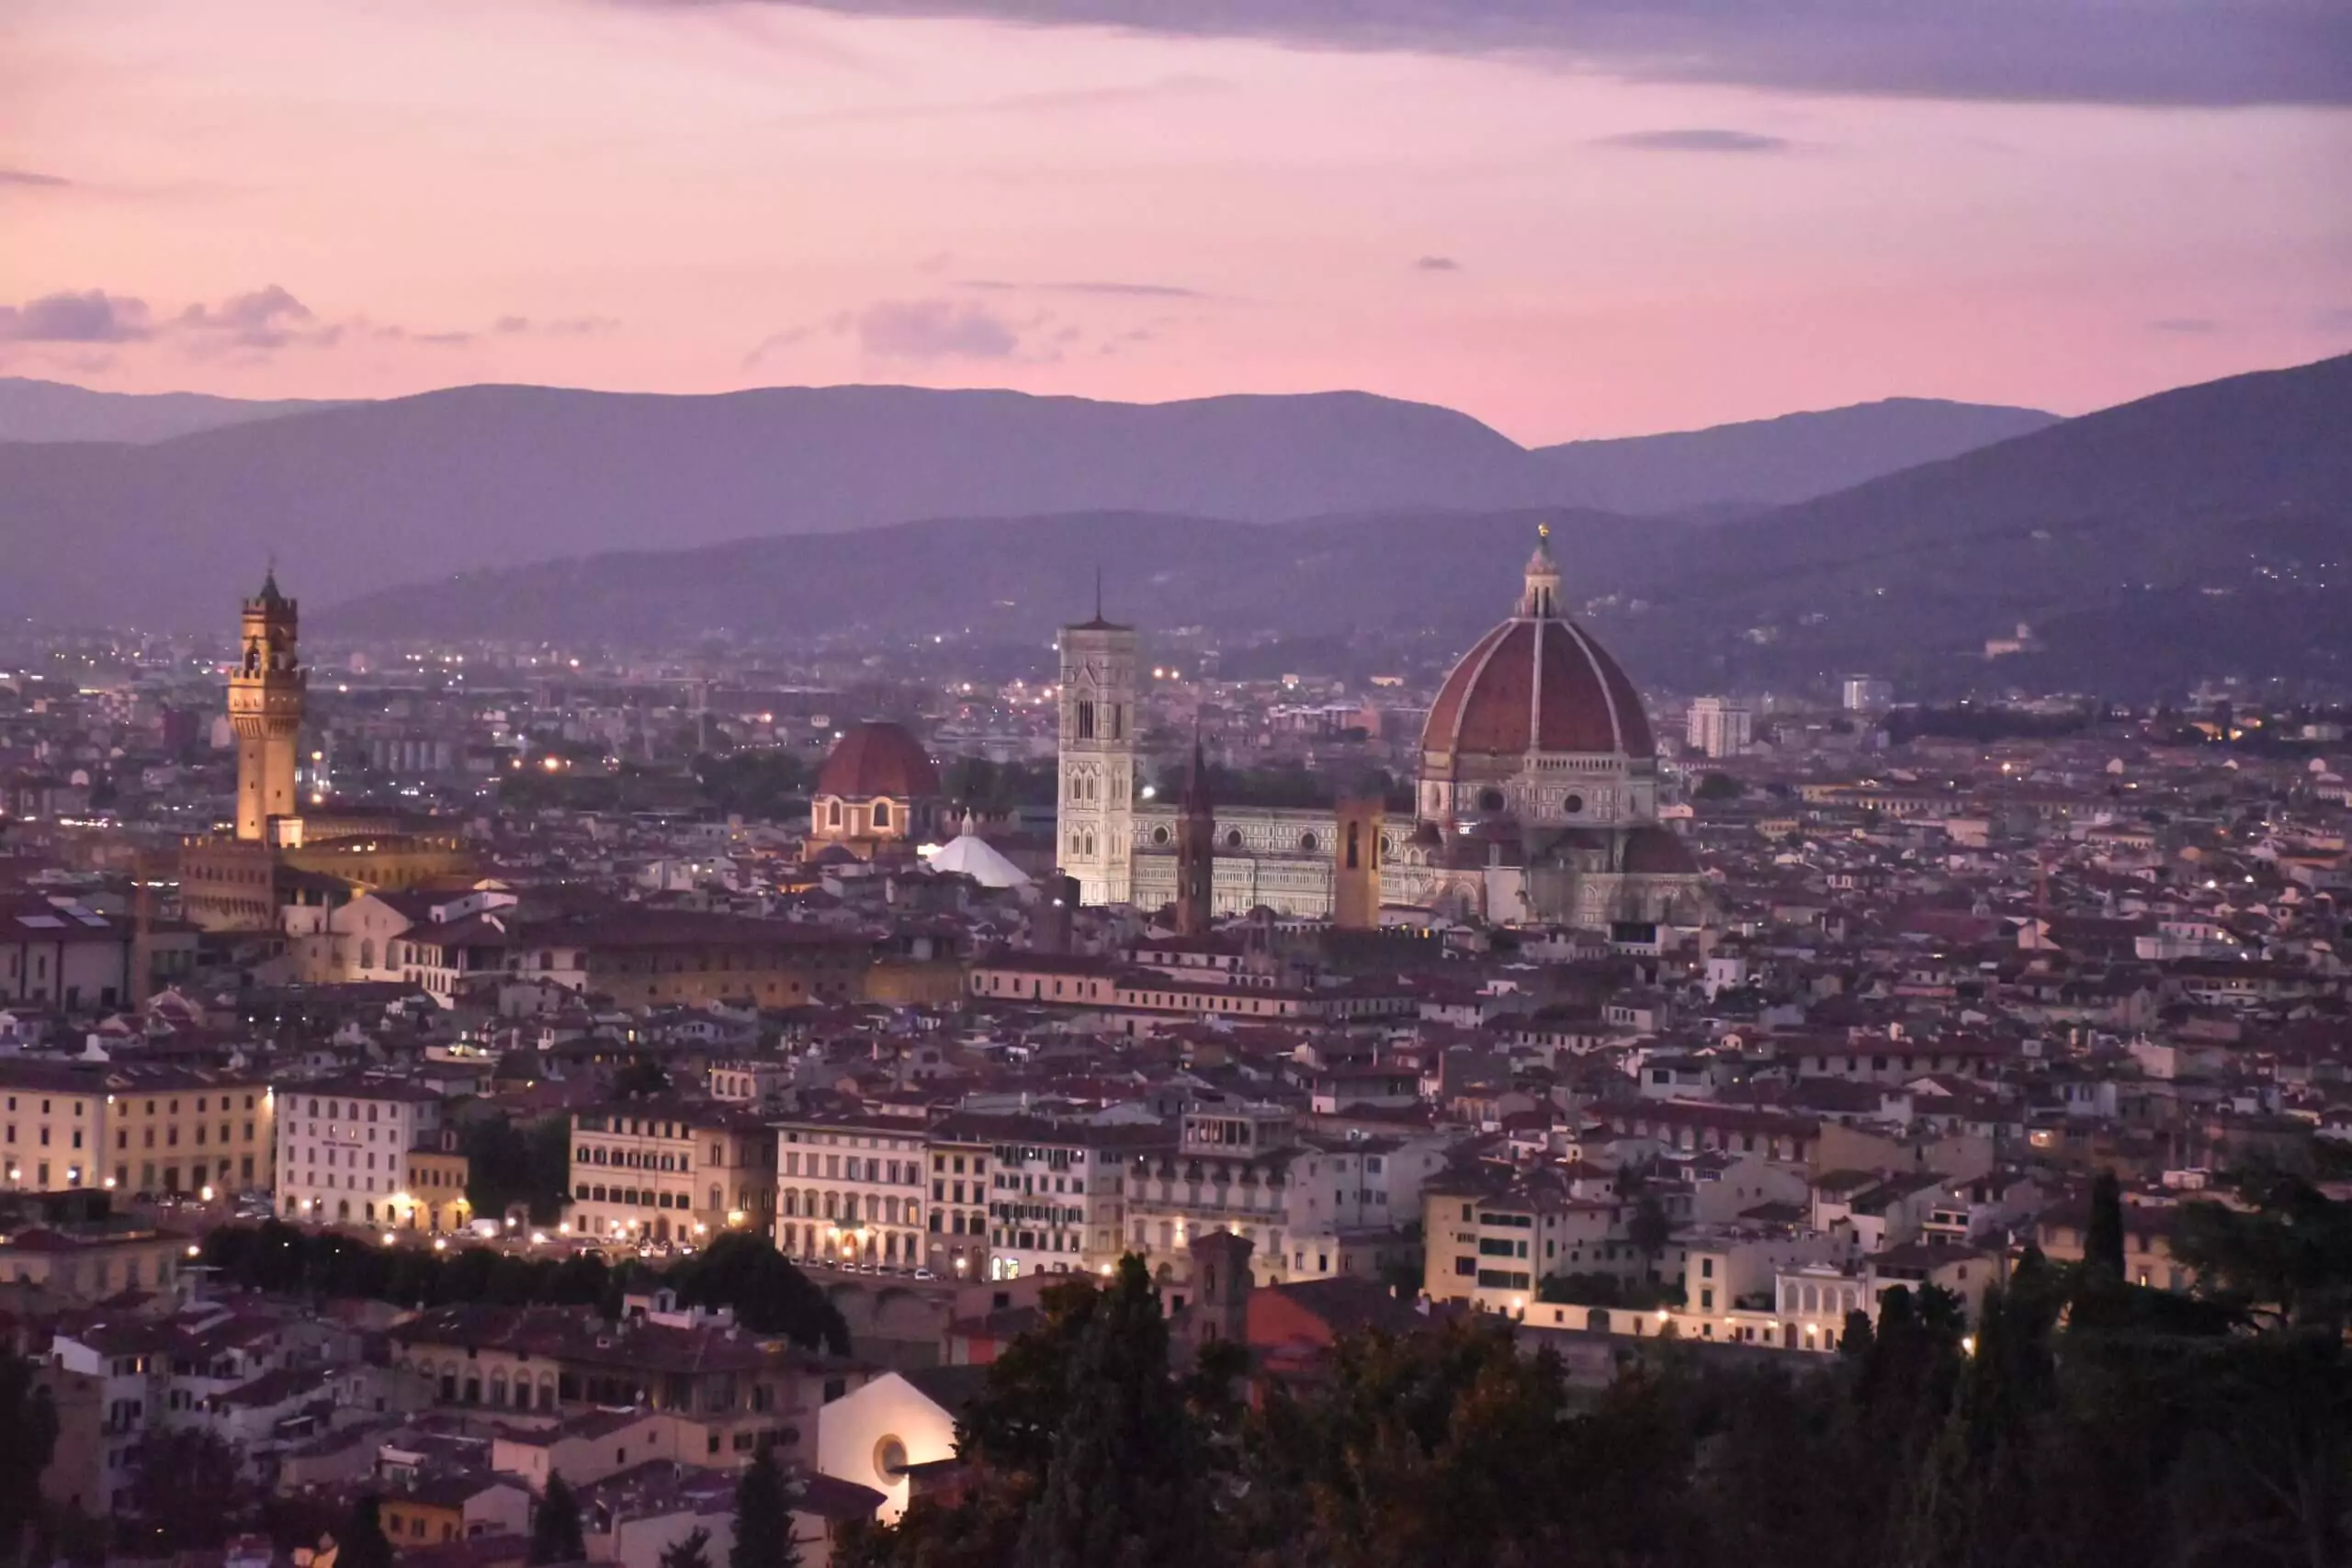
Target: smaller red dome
[
  {"x": 1652, "y": 851},
  {"x": 877, "y": 759}
]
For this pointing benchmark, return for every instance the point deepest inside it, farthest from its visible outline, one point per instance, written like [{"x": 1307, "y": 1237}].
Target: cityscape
[{"x": 1197, "y": 967}]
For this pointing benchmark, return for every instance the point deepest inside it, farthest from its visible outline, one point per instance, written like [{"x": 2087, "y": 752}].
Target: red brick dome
[
  {"x": 1537, "y": 684},
  {"x": 875, "y": 759}
]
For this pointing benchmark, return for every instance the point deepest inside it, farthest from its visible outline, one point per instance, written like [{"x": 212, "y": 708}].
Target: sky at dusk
[{"x": 1566, "y": 220}]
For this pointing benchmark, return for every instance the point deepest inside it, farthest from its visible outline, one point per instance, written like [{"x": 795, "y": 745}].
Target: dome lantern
[{"x": 1541, "y": 599}]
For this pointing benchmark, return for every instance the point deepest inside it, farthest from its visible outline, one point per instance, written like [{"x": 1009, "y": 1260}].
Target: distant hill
[
  {"x": 2201, "y": 531},
  {"x": 1774, "y": 462},
  {"x": 52, "y": 410},
  {"x": 1442, "y": 575},
  {"x": 2204, "y": 530},
  {"x": 356, "y": 498}
]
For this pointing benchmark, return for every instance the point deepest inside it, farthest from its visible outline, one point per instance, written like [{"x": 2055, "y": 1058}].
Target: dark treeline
[
  {"x": 2079, "y": 1420},
  {"x": 1987, "y": 722},
  {"x": 739, "y": 1270},
  {"x": 511, "y": 1166}
]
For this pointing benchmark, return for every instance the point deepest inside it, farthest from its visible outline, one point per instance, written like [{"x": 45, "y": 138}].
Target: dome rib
[{"x": 1538, "y": 684}]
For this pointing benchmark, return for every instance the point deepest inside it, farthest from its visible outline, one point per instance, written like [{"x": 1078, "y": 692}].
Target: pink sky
[{"x": 684, "y": 197}]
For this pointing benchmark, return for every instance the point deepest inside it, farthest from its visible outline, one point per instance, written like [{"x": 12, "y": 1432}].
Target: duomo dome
[{"x": 1537, "y": 724}]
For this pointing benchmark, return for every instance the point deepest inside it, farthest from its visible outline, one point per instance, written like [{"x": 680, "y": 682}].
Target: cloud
[
  {"x": 1437, "y": 263},
  {"x": 1130, "y": 291},
  {"x": 266, "y": 318},
  {"x": 934, "y": 329},
  {"x": 791, "y": 335},
  {"x": 91, "y": 315},
  {"x": 1697, "y": 138},
  {"x": 2192, "y": 326},
  {"x": 1055, "y": 101},
  {"x": 31, "y": 177},
  {"x": 258, "y": 321},
  {"x": 451, "y": 339},
  {"x": 561, "y": 326},
  {"x": 2218, "y": 52}
]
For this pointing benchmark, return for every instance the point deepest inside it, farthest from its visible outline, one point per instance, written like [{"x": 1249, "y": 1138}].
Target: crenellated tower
[{"x": 266, "y": 695}]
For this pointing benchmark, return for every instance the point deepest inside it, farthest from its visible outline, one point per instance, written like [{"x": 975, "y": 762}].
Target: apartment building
[
  {"x": 666, "y": 1170},
  {"x": 134, "y": 1128},
  {"x": 347, "y": 1146},
  {"x": 1303, "y": 1201},
  {"x": 171, "y": 1129},
  {"x": 854, "y": 1189},
  {"x": 956, "y": 1225},
  {"x": 1058, "y": 1191},
  {"x": 52, "y": 1125},
  {"x": 1490, "y": 1239},
  {"x": 437, "y": 1177}
]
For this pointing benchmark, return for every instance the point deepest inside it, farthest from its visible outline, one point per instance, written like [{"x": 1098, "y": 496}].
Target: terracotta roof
[
  {"x": 1538, "y": 684},
  {"x": 1658, "y": 851},
  {"x": 878, "y": 759}
]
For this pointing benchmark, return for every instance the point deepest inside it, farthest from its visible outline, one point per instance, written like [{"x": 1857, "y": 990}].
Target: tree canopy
[
  {"x": 2077, "y": 1418},
  {"x": 742, "y": 1269}
]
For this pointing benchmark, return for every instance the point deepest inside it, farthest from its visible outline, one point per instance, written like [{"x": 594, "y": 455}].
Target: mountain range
[
  {"x": 2162, "y": 539},
  {"x": 2202, "y": 531},
  {"x": 356, "y": 497},
  {"x": 52, "y": 410},
  {"x": 1774, "y": 462}
]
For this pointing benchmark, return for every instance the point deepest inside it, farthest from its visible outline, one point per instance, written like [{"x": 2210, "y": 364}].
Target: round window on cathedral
[
  {"x": 1233, "y": 840},
  {"x": 1574, "y": 804},
  {"x": 1308, "y": 843},
  {"x": 1490, "y": 800},
  {"x": 1159, "y": 835}
]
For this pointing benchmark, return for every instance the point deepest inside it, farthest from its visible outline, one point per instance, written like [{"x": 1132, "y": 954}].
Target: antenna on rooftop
[{"x": 1098, "y": 590}]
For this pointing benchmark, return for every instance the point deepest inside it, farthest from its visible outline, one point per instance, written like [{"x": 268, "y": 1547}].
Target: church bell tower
[
  {"x": 1195, "y": 851},
  {"x": 1095, "y": 810},
  {"x": 265, "y": 710}
]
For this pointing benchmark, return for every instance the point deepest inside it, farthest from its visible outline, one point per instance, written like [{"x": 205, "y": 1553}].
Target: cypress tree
[
  {"x": 692, "y": 1552},
  {"x": 555, "y": 1528},
  {"x": 1124, "y": 1484},
  {"x": 2103, "y": 1237},
  {"x": 762, "y": 1516},
  {"x": 363, "y": 1543}
]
